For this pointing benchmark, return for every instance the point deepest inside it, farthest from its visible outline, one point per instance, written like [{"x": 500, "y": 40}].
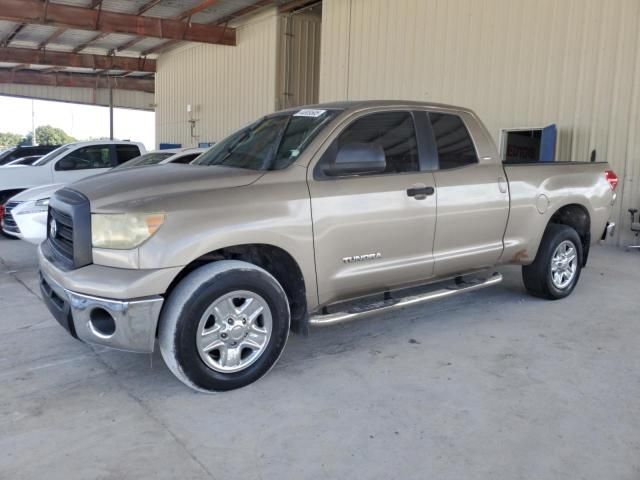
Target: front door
[
  {"x": 373, "y": 232},
  {"x": 82, "y": 162}
]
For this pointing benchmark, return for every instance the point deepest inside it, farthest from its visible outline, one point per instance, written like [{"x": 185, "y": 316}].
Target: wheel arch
[
  {"x": 275, "y": 260},
  {"x": 576, "y": 216}
]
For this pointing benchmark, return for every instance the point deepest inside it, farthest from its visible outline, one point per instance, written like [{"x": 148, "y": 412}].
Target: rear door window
[
  {"x": 455, "y": 145},
  {"x": 124, "y": 153}
]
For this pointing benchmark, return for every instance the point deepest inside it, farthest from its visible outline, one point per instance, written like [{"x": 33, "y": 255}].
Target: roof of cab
[{"x": 361, "y": 104}]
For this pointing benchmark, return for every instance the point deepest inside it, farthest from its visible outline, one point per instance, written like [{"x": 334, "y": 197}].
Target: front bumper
[
  {"x": 31, "y": 224},
  {"x": 123, "y": 324}
]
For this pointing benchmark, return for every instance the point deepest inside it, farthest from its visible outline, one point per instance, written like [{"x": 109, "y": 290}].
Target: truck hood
[{"x": 138, "y": 186}]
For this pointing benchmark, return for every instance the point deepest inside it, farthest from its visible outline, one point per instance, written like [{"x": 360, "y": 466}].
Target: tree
[
  {"x": 8, "y": 139},
  {"x": 48, "y": 135}
]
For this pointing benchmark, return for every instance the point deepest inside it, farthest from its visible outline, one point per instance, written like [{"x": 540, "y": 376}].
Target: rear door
[
  {"x": 472, "y": 195},
  {"x": 124, "y": 153},
  {"x": 373, "y": 232}
]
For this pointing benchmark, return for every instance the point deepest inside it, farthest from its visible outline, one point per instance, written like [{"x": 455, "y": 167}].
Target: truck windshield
[
  {"x": 51, "y": 155},
  {"x": 271, "y": 143}
]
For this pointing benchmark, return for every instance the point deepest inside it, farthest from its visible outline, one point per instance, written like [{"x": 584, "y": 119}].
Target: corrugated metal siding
[
  {"x": 299, "y": 59},
  {"x": 225, "y": 86},
  {"x": 516, "y": 63},
  {"x": 121, "y": 98}
]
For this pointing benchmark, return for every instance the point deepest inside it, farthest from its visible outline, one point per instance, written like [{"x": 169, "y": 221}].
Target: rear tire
[
  {"x": 556, "y": 269},
  {"x": 224, "y": 326}
]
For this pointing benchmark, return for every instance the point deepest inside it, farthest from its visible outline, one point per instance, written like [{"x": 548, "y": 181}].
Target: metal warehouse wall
[
  {"x": 517, "y": 63},
  {"x": 299, "y": 59},
  {"x": 121, "y": 98},
  {"x": 225, "y": 86}
]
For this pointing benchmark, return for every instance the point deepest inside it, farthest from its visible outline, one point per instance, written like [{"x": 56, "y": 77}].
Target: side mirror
[
  {"x": 358, "y": 159},
  {"x": 66, "y": 164}
]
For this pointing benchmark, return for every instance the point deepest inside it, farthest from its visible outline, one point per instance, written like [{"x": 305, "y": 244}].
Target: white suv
[
  {"x": 67, "y": 164},
  {"x": 25, "y": 215}
]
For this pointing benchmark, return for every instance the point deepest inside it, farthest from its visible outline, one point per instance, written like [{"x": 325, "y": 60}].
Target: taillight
[
  {"x": 612, "y": 178},
  {"x": 1, "y": 211}
]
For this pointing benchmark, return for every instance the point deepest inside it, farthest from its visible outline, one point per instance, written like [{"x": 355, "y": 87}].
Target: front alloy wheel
[
  {"x": 224, "y": 326},
  {"x": 234, "y": 331}
]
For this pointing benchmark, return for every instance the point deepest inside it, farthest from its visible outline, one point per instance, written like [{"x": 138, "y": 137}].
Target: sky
[{"x": 79, "y": 121}]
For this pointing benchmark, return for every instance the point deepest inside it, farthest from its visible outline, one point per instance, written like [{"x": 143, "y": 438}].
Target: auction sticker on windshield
[{"x": 310, "y": 113}]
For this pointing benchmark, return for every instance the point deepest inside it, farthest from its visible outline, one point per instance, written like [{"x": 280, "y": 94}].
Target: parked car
[
  {"x": 66, "y": 164},
  {"x": 24, "y": 160},
  {"x": 161, "y": 157},
  {"x": 15, "y": 153},
  {"x": 25, "y": 214},
  {"x": 309, "y": 216}
]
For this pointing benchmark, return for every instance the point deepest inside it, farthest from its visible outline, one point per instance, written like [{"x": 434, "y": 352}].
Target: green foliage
[
  {"x": 48, "y": 135},
  {"x": 9, "y": 139}
]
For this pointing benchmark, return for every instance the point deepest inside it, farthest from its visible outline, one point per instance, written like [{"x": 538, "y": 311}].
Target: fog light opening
[{"x": 102, "y": 323}]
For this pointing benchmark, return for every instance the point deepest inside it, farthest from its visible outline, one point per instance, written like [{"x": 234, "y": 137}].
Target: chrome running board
[{"x": 390, "y": 304}]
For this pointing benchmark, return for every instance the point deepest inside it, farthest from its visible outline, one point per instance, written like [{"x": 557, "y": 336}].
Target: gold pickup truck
[{"x": 309, "y": 217}]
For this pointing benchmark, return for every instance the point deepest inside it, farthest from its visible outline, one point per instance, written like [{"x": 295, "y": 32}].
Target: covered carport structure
[{"x": 103, "y": 52}]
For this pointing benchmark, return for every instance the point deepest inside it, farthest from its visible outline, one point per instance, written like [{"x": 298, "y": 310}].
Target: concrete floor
[{"x": 494, "y": 385}]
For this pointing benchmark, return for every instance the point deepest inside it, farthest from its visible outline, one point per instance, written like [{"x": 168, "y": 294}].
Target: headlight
[
  {"x": 38, "y": 206},
  {"x": 123, "y": 231}
]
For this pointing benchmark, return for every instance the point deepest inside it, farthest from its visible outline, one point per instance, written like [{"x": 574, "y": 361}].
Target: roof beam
[
  {"x": 51, "y": 38},
  {"x": 297, "y": 4},
  {"x": 12, "y": 34},
  {"x": 198, "y": 8},
  {"x": 32, "y": 11},
  {"x": 76, "y": 60},
  {"x": 31, "y": 77},
  {"x": 222, "y": 23},
  {"x": 129, "y": 44},
  {"x": 245, "y": 11},
  {"x": 184, "y": 15},
  {"x": 93, "y": 39},
  {"x": 148, "y": 6},
  {"x": 61, "y": 30}
]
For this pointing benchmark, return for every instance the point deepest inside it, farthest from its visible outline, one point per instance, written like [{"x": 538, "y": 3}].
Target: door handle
[
  {"x": 420, "y": 192},
  {"x": 503, "y": 185}
]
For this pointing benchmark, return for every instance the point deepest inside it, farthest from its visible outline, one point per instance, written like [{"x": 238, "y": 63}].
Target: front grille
[
  {"x": 8, "y": 222},
  {"x": 62, "y": 242},
  {"x": 68, "y": 242}
]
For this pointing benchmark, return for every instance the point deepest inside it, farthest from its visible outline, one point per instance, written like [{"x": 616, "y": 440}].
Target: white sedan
[{"x": 25, "y": 214}]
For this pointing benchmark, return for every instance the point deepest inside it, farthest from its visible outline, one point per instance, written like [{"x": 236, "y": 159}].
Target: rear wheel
[
  {"x": 556, "y": 269},
  {"x": 224, "y": 326}
]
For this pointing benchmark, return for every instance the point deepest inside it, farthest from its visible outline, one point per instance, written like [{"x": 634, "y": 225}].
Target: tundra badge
[{"x": 362, "y": 258}]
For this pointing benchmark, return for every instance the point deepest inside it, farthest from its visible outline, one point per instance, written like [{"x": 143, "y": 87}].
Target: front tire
[
  {"x": 224, "y": 326},
  {"x": 556, "y": 269}
]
